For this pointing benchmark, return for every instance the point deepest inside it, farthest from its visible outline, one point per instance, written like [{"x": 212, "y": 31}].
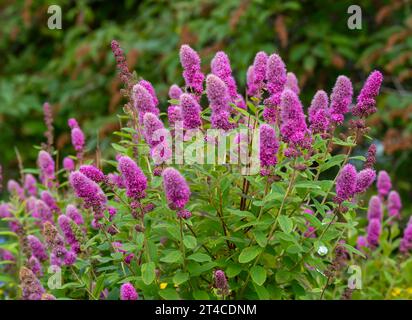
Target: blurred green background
[{"x": 74, "y": 69}]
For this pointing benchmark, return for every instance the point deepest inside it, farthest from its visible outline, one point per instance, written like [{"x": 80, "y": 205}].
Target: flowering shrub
[{"x": 239, "y": 197}]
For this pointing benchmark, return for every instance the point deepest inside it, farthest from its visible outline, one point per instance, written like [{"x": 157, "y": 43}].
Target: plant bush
[{"x": 269, "y": 217}]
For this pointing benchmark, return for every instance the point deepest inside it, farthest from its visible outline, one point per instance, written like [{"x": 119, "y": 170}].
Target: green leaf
[
  {"x": 200, "y": 295},
  {"x": 285, "y": 224},
  {"x": 169, "y": 294},
  {"x": 199, "y": 257},
  {"x": 248, "y": 254},
  {"x": 260, "y": 238},
  {"x": 233, "y": 270},
  {"x": 353, "y": 250},
  {"x": 258, "y": 275},
  {"x": 172, "y": 257},
  {"x": 314, "y": 222},
  {"x": 180, "y": 278},
  {"x": 262, "y": 292},
  {"x": 307, "y": 185},
  {"x": 283, "y": 276},
  {"x": 148, "y": 272},
  {"x": 294, "y": 248},
  {"x": 190, "y": 242}
]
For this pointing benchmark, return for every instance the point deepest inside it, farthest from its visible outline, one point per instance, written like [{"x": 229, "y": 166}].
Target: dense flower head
[
  {"x": 257, "y": 74},
  {"x": 5, "y": 210},
  {"x": 176, "y": 188},
  {"x": 361, "y": 242},
  {"x": 90, "y": 192},
  {"x": 192, "y": 74},
  {"x": 292, "y": 82},
  {"x": 190, "y": 112},
  {"x": 6, "y": 255},
  {"x": 48, "y": 198},
  {"x": 364, "y": 179},
  {"x": 68, "y": 164},
  {"x": 133, "y": 178},
  {"x": 30, "y": 184},
  {"x": 221, "y": 282},
  {"x": 340, "y": 99},
  {"x": 115, "y": 180},
  {"x": 375, "y": 210},
  {"x": 219, "y": 99},
  {"x": 366, "y": 104},
  {"x": 174, "y": 114},
  {"x": 175, "y": 92},
  {"x": 293, "y": 127},
  {"x": 30, "y": 285},
  {"x": 73, "y": 213},
  {"x": 37, "y": 248},
  {"x": 46, "y": 165},
  {"x": 72, "y": 123},
  {"x": 374, "y": 232},
  {"x": 143, "y": 102},
  {"x": 42, "y": 212},
  {"x": 319, "y": 112},
  {"x": 275, "y": 74},
  {"x": 78, "y": 139},
  {"x": 394, "y": 204},
  {"x": 370, "y": 157},
  {"x": 406, "y": 242},
  {"x": 149, "y": 87},
  {"x": 346, "y": 183},
  {"x": 34, "y": 265},
  {"x": 268, "y": 147},
  {"x": 14, "y": 188},
  {"x": 65, "y": 224},
  {"x": 92, "y": 173},
  {"x": 384, "y": 183},
  {"x": 128, "y": 292},
  {"x": 220, "y": 66},
  {"x": 152, "y": 124}
]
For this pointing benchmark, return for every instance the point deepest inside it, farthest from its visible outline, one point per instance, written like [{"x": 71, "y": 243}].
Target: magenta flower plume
[
  {"x": 406, "y": 242},
  {"x": 221, "y": 282},
  {"x": 14, "y": 188},
  {"x": 175, "y": 92},
  {"x": 30, "y": 285},
  {"x": 143, "y": 102},
  {"x": 78, "y": 140},
  {"x": 340, "y": 99},
  {"x": 319, "y": 112},
  {"x": 220, "y": 67},
  {"x": 366, "y": 104},
  {"x": 174, "y": 115},
  {"x": 149, "y": 87},
  {"x": 92, "y": 195},
  {"x": 192, "y": 74},
  {"x": 133, "y": 177},
  {"x": 346, "y": 183},
  {"x": 30, "y": 184},
  {"x": 115, "y": 180},
  {"x": 190, "y": 112},
  {"x": 394, "y": 204},
  {"x": 370, "y": 157},
  {"x": 219, "y": 99},
  {"x": 68, "y": 164},
  {"x": 384, "y": 183},
  {"x": 65, "y": 224},
  {"x": 275, "y": 74},
  {"x": 128, "y": 292},
  {"x": 48, "y": 120},
  {"x": 374, "y": 232},
  {"x": 34, "y": 265},
  {"x": 364, "y": 179},
  {"x": 152, "y": 129},
  {"x": 293, "y": 127},
  {"x": 47, "y": 197},
  {"x": 375, "y": 210},
  {"x": 256, "y": 78},
  {"x": 46, "y": 165},
  {"x": 72, "y": 123},
  {"x": 42, "y": 212},
  {"x": 269, "y": 146},
  {"x": 74, "y": 214},
  {"x": 292, "y": 82},
  {"x": 92, "y": 173},
  {"x": 37, "y": 248},
  {"x": 176, "y": 188}
]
